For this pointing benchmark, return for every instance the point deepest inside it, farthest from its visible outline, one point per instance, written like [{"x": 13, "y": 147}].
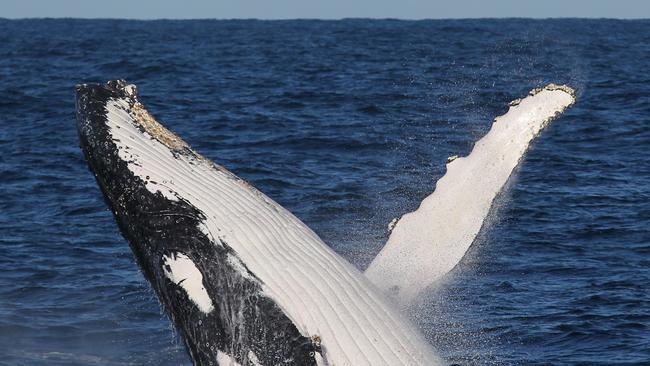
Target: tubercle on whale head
[{"x": 120, "y": 89}]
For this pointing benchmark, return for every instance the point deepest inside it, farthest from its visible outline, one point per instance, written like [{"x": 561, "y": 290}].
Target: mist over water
[{"x": 348, "y": 125}]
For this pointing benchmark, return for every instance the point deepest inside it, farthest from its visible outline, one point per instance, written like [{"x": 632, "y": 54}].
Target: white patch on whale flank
[
  {"x": 224, "y": 359},
  {"x": 320, "y": 361},
  {"x": 180, "y": 269},
  {"x": 252, "y": 357}
]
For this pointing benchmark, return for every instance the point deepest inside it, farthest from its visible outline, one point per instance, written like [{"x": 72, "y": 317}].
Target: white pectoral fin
[{"x": 426, "y": 244}]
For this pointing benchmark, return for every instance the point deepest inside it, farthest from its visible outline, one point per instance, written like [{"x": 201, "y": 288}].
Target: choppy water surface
[{"x": 347, "y": 124}]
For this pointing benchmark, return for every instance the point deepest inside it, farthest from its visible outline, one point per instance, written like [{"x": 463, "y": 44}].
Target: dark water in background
[{"x": 347, "y": 124}]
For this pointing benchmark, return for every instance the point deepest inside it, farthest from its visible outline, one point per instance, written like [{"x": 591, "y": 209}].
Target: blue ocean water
[{"x": 348, "y": 125}]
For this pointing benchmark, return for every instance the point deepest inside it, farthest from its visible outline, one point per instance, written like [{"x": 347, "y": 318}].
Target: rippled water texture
[{"x": 347, "y": 124}]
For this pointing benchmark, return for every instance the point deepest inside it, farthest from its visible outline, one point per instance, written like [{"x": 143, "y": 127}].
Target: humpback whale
[{"x": 243, "y": 280}]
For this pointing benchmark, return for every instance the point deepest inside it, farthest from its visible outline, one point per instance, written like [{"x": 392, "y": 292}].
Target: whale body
[{"x": 243, "y": 280}]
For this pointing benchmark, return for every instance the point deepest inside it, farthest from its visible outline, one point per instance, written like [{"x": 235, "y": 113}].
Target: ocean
[{"x": 347, "y": 124}]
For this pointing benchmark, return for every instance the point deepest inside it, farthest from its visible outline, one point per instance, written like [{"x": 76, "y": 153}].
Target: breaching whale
[
  {"x": 247, "y": 283},
  {"x": 243, "y": 280}
]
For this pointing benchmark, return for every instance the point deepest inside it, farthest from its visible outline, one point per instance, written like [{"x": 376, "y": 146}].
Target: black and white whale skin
[{"x": 243, "y": 280}]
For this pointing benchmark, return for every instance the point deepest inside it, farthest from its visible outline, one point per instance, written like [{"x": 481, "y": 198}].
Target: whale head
[{"x": 215, "y": 302}]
